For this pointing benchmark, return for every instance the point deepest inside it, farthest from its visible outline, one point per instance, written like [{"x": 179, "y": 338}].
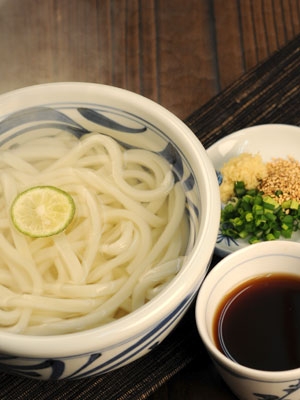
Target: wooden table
[{"x": 178, "y": 53}]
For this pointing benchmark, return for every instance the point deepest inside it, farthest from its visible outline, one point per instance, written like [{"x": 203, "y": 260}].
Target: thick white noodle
[{"x": 126, "y": 242}]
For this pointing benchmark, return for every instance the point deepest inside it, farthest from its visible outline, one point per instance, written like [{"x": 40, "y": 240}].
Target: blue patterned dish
[
  {"x": 272, "y": 140},
  {"x": 134, "y": 121}
]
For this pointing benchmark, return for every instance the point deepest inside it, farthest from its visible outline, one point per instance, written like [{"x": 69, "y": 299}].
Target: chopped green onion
[
  {"x": 251, "y": 215},
  {"x": 239, "y": 188}
]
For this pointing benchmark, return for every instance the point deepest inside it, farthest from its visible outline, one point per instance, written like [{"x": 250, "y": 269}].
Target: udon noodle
[{"x": 124, "y": 245}]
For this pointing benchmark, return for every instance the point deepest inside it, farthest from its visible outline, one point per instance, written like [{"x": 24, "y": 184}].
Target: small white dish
[{"x": 271, "y": 140}]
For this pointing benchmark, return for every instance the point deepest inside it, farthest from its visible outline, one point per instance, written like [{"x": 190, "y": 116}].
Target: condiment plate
[{"x": 270, "y": 141}]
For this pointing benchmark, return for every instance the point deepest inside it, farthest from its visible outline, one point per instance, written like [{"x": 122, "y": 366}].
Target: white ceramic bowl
[
  {"x": 271, "y": 140},
  {"x": 80, "y": 108},
  {"x": 257, "y": 260}
]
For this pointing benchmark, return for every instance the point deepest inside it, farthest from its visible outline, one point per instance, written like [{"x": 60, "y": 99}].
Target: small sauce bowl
[{"x": 258, "y": 260}]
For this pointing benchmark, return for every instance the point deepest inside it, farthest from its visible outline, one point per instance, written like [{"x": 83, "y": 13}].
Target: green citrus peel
[{"x": 42, "y": 211}]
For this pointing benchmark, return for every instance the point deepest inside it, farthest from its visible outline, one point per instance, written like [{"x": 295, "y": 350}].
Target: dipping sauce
[{"x": 258, "y": 323}]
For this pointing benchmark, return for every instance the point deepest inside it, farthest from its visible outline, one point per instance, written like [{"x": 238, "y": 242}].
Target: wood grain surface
[{"x": 179, "y": 53}]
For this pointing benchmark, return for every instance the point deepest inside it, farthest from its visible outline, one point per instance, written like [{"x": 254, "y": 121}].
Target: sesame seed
[{"x": 283, "y": 175}]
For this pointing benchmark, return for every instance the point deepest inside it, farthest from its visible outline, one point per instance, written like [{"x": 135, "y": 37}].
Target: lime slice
[{"x": 42, "y": 211}]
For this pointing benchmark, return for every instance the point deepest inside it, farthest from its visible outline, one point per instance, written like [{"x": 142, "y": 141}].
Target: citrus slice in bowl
[{"x": 42, "y": 211}]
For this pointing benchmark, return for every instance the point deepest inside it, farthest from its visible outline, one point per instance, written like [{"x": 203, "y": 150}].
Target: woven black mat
[{"x": 270, "y": 93}]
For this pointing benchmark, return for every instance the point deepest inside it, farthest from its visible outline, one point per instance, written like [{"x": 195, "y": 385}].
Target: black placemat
[{"x": 269, "y": 93}]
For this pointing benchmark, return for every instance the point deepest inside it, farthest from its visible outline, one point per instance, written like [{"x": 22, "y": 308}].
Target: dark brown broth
[{"x": 258, "y": 323}]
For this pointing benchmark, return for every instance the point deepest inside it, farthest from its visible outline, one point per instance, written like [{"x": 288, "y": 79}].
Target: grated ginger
[{"x": 245, "y": 167}]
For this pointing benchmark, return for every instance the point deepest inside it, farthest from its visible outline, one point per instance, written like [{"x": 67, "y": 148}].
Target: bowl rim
[{"x": 181, "y": 286}]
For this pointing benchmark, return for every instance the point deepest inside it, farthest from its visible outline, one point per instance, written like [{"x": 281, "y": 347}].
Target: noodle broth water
[{"x": 126, "y": 242}]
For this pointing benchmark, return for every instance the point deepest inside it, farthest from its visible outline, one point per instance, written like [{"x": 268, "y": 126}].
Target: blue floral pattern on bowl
[
  {"x": 97, "y": 363},
  {"x": 287, "y": 391}
]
